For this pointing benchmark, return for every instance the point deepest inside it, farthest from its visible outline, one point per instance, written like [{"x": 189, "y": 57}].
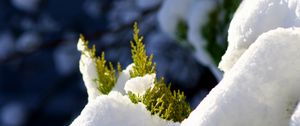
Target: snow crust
[
  {"x": 88, "y": 69},
  {"x": 115, "y": 109},
  {"x": 253, "y": 18},
  {"x": 261, "y": 89},
  {"x": 139, "y": 85}
]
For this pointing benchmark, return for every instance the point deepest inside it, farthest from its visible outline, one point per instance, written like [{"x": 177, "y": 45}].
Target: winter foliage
[
  {"x": 260, "y": 86},
  {"x": 143, "y": 95}
]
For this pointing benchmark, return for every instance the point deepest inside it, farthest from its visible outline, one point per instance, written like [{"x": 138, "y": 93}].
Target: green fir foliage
[
  {"x": 106, "y": 72},
  {"x": 159, "y": 100},
  {"x": 142, "y": 63},
  {"x": 106, "y": 75}
]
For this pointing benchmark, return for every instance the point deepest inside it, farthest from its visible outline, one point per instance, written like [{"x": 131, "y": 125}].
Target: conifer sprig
[
  {"x": 161, "y": 101},
  {"x": 106, "y": 75},
  {"x": 142, "y": 63},
  {"x": 106, "y": 72}
]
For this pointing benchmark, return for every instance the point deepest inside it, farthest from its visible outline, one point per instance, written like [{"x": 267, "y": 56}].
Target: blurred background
[{"x": 40, "y": 82}]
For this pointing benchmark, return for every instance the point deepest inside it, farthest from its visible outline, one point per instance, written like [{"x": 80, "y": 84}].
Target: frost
[
  {"x": 139, "y": 85},
  {"x": 253, "y": 18},
  {"x": 262, "y": 87},
  {"x": 115, "y": 109}
]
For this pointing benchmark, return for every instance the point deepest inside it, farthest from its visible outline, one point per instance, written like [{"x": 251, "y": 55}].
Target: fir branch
[
  {"x": 106, "y": 73},
  {"x": 161, "y": 101},
  {"x": 142, "y": 63}
]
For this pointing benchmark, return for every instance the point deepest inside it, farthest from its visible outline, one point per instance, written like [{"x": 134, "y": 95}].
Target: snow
[
  {"x": 26, "y": 5},
  {"x": 171, "y": 13},
  {"x": 261, "y": 89},
  {"x": 196, "y": 18},
  {"x": 253, "y": 18},
  {"x": 6, "y": 45},
  {"x": 122, "y": 79},
  {"x": 139, "y": 85},
  {"x": 115, "y": 109},
  {"x": 89, "y": 73},
  {"x": 295, "y": 119},
  {"x": 28, "y": 42}
]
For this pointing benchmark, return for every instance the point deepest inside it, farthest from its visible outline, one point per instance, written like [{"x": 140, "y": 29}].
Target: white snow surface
[
  {"x": 262, "y": 88},
  {"x": 139, "y": 85},
  {"x": 171, "y": 12},
  {"x": 122, "y": 79},
  {"x": 253, "y": 18},
  {"x": 87, "y": 67},
  {"x": 196, "y": 18},
  {"x": 115, "y": 109}
]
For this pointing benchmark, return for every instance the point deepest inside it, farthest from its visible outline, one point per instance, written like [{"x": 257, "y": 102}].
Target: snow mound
[
  {"x": 122, "y": 79},
  {"x": 139, "y": 85},
  {"x": 261, "y": 89},
  {"x": 117, "y": 110},
  {"x": 253, "y": 18}
]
